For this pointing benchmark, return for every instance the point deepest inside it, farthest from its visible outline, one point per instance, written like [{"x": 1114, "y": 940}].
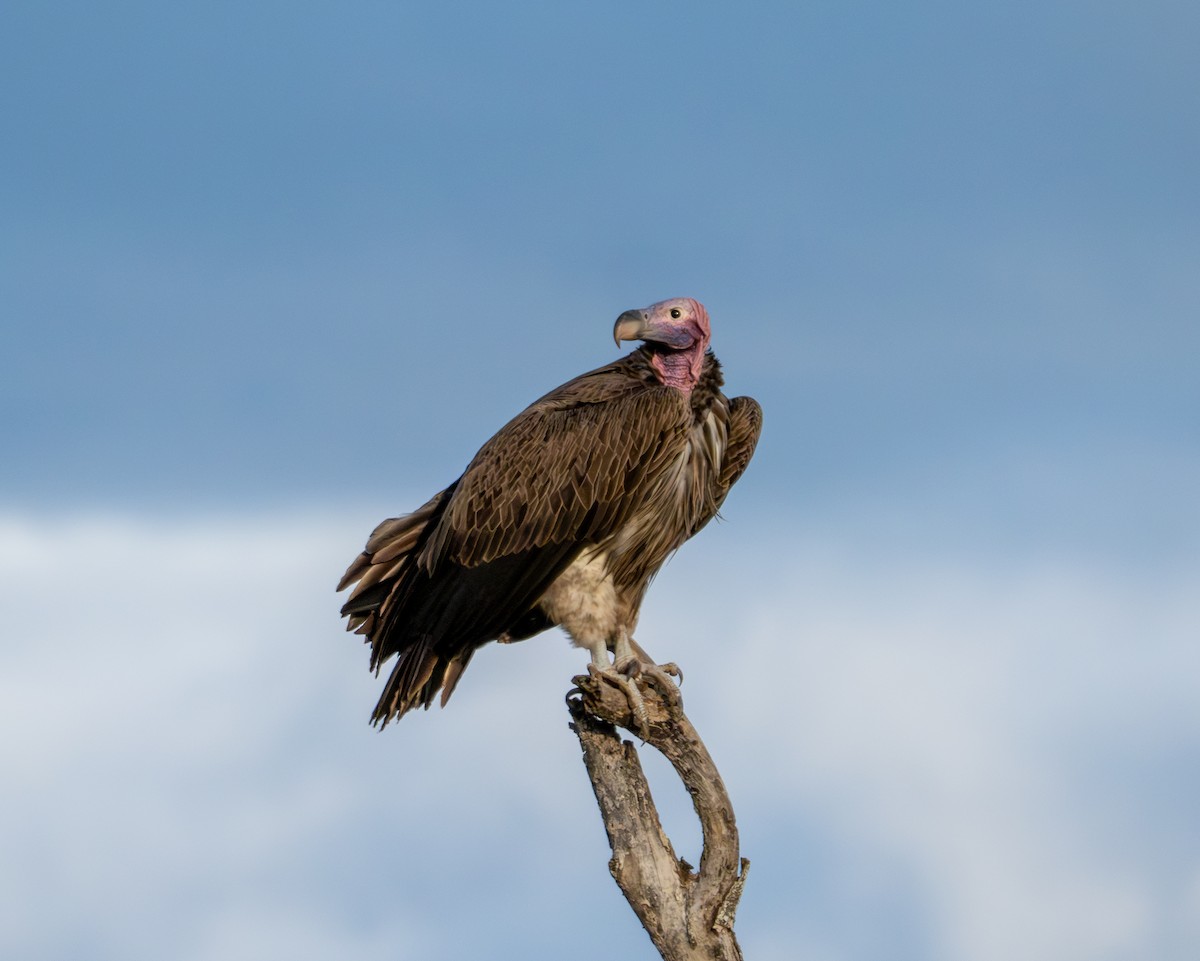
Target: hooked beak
[{"x": 631, "y": 325}]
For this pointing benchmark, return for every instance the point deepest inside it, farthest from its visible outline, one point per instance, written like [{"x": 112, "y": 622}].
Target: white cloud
[
  {"x": 978, "y": 756},
  {"x": 962, "y": 728}
]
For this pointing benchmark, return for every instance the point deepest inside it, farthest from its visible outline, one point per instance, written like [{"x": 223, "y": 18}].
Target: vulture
[{"x": 561, "y": 519}]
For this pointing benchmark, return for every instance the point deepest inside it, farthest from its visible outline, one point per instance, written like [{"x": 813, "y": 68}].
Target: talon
[
  {"x": 639, "y": 711},
  {"x": 673, "y": 669},
  {"x": 629, "y": 688},
  {"x": 662, "y": 683}
]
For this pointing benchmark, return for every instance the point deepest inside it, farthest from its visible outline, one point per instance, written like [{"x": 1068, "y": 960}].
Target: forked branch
[{"x": 687, "y": 913}]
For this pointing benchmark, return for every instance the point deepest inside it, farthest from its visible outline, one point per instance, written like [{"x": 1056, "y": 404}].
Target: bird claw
[
  {"x": 627, "y": 673},
  {"x": 627, "y": 686},
  {"x": 659, "y": 676},
  {"x": 634, "y": 666}
]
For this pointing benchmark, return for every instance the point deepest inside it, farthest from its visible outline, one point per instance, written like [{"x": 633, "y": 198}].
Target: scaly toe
[
  {"x": 629, "y": 688},
  {"x": 661, "y": 681}
]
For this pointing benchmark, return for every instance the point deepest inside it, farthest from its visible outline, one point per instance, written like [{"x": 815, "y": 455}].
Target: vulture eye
[{"x": 676, "y": 313}]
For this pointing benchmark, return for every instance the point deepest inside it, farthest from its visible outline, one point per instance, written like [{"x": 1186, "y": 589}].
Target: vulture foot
[
  {"x": 630, "y": 676},
  {"x": 631, "y": 659},
  {"x": 633, "y": 666},
  {"x": 627, "y": 685},
  {"x": 658, "y": 676}
]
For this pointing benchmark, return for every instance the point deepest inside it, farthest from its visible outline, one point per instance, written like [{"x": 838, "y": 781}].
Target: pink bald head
[
  {"x": 677, "y": 333},
  {"x": 678, "y": 323}
]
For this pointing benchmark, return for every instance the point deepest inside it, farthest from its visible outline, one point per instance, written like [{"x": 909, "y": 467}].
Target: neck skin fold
[{"x": 679, "y": 368}]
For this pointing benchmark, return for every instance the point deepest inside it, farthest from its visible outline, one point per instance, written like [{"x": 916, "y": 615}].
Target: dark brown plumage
[{"x": 563, "y": 517}]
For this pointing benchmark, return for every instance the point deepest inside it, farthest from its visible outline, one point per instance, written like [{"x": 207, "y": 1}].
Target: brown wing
[
  {"x": 744, "y": 426},
  {"x": 566, "y": 472},
  {"x": 570, "y": 468}
]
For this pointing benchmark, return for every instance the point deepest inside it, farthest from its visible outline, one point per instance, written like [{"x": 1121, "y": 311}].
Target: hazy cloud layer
[{"x": 932, "y": 757}]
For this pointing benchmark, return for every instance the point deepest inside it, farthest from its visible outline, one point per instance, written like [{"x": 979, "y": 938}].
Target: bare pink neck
[{"x": 679, "y": 368}]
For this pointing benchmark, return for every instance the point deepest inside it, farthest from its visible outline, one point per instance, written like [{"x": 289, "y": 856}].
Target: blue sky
[{"x": 270, "y": 273}]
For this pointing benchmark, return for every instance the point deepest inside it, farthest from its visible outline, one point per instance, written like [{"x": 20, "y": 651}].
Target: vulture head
[{"x": 676, "y": 334}]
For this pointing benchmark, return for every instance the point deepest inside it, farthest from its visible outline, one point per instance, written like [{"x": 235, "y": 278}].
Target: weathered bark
[{"x": 687, "y": 913}]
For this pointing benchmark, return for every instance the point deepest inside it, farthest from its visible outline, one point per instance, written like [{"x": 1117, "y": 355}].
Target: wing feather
[
  {"x": 745, "y": 426},
  {"x": 573, "y": 466}
]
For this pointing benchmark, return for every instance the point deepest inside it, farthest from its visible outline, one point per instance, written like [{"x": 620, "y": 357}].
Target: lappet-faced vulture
[{"x": 562, "y": 518}]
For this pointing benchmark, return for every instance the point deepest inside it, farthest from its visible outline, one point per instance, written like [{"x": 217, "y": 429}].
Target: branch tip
[{"x": 688, "y": 913}]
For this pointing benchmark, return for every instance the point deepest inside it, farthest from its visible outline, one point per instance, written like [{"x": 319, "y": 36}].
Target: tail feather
[
  {"x": 434, "y": 617},
  {"x": 454, "y": 670},
  {"x": 383, "y": 572},
  {"x": 404, "y": 687},
  {"x": 416, "y": 678}
]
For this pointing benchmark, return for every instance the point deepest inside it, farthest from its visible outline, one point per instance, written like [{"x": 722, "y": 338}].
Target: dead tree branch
[{"x": 687, "y": 913}]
